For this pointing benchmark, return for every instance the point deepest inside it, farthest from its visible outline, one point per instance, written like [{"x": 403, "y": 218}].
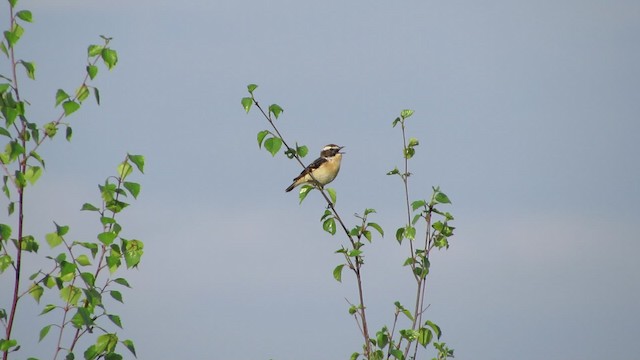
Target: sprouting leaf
[
  {"x": 134, "y": 188},
  {"x": 377, "y": 227},
  {"x": 53, "y": 239},
  {"x": 25, "y": 15},
  {"x": 36, "y": 291},
  {"x": 246, "y": 102},
  {"x": 92, "y": 71},
  {"x": 395, "y": 171},
  {"x": 424, "y": 336},
  {"x": 261, "y": 135},
  {"x": 332, "y": 194},
  {"x": 30, "y": 67},
  {"x": 400, "y": 235},
  {"x": 43, "y": 332},
  {"x": 107, "y": 237},
  {"x": 337, "y": 272},
  {"x": 129, "y": 345},
  {"x": 89, "y": 207},
  {"x": 61, "y": 96},
  {"x": 413, "y": 142},
  {"x": 116, "y": 320},
  {"x": 83, "y": 260},
  {"x": 329, "y": 225},
  {"x": 251, "y": 88},
  {"x": 70, "y": 107},
  {"x": 133, "y": 250},
  {"x": 304, "y": 191},
  {"x": 418, "y": 204},
  {"x": 275, "y": 109},
  {"x": 406, "y": 113},
  {"x": 110, "y": 57},
  {"x": 273, "y": 145},
  {"x": 138, "y": 161},
  {"x": 442, "y": 198},
  {"x": 435, "y": 328},
  {"x": 116, "y": 295},
  {"x": 94, "y": 50},
  {"x": 82, "y": 93},
  {"x": 5, "y": 232},
  {"x": 302, "y": 150}
]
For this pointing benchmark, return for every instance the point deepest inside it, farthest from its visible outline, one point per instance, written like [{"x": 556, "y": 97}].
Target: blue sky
[{"x": 528, "y": 117}]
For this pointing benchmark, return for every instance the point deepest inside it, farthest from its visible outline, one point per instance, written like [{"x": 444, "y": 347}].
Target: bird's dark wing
[{"x": 314, "y": 165}]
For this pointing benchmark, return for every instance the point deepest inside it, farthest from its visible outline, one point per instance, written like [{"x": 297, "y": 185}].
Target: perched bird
[{"x": 324, "y": 169}]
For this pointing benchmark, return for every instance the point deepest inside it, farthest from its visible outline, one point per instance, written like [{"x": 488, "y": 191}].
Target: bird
[{"x": 324, "y": 169}]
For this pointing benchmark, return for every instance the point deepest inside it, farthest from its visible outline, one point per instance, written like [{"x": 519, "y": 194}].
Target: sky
[{"x": 528, "y": 116}]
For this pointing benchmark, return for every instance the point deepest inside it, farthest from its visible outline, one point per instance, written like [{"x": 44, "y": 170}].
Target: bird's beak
[{"x": 339, "y": 151}]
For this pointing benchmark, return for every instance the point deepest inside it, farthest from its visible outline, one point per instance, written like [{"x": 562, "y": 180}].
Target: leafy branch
[{"x": 273, "y": 142}]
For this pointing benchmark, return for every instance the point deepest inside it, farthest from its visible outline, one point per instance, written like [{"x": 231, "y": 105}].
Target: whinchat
[{"x": 323, "y": 170}]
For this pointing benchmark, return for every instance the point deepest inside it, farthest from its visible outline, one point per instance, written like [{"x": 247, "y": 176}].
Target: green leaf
[
  {"x": 107, "y": 237},
  {"x": 246, "y": 102},
  {"x": 89, "y": 207},
  {"x": 122, "y": 282},
  {"x": 94, "y": 50},
  {"x": 134, "y": 188},
  {"x": 261, "y": 135},
  {"x": 53, "y": 239},
  {"x": 410, "y": 232},
  {"x": 435, "y": 328},
  {"x": 5, "y": 232},
  {"x": 273, "y": 145},
  {"x": 36, "y": 291},
  {"x": 406, "y": 113},
  {"x": 48, "y": 308},
  {"x": 116, "y": 320},
  {"x": 70, "y": 107},
  {"x": 329, "y": 226},
  {"x": 83, "y": 260},
  {"x": 30, "y": 67},
  {"x": 43, "y": 332},
  {"x": 424, "y": 336},
  {"x": 251, "y": 88},
  {"x": 138, "y": 161},
  {"x": 5, "y": 345},
  {"x": 395, "y": 171},
  {"x": 129, "y": 345},
  {"x": 25, "y": 15},
  {"x": 332, "y": 194},
  {"x": 61, "y": 96},
  {"x": 61, "y": 230},
  {"x": 110, "y": 57},
  {"x": 304, "y": 191},
  {"x": 82, "y": 93},
  {"x": 377, "y": 227},
  {"x": 5, "y": 261},
  {"x": 418, "y": 204},
  {"x": 96, "y": 94},
  {"x": 4, "y": 132},
  {"x": 124, "y": 169},
  {"x": 68, "y": 133},
  {"x": 396, "y": 353},
  {"x": 71, "y": 295},
  {"x": 133, "y": 250},
  {"x": 116, "y": 295},
  {"x": 400, "y": 235},
  {"x": 442, "y": 198},
  {"x": 302, "y": 150},
  {"x": 413, "y": 142},
  {"x": 275, "y": 109},
  {"x": 92, "y": 71},
  {"x": 337, "y": 272}
]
